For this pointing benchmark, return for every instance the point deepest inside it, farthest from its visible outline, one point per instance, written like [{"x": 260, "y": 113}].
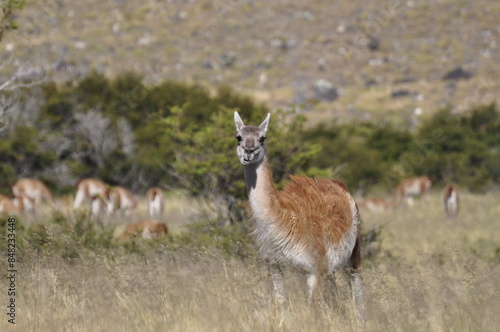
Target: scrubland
[{"x": 425, "y": 273}]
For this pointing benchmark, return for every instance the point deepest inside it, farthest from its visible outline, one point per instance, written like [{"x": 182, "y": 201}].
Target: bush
[
  {"x": 448, "y": 147},
  {"x": 359, "y": 154},
  {"x": 232, "y": 241},
  {"x": 63, "y": 237},
  {"x": 459, "y": 148},
  {"x": 130, "y": 134}
]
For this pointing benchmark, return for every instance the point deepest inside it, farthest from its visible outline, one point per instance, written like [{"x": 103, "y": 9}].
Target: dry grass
[{"x": 433, "y": 274}]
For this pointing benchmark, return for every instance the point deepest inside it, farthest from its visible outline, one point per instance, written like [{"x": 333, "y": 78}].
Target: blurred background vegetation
[
  {"x": 180, "y": 135},
  {"x": 142, "y": 94}
]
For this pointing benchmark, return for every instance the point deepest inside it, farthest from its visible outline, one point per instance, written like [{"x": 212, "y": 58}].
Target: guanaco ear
[
  {"x": 237, "y": 120},
  {"x": 263, "y": 126}
]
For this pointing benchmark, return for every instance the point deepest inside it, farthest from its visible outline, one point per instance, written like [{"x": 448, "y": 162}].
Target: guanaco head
[{"x": 251, "y": 147}]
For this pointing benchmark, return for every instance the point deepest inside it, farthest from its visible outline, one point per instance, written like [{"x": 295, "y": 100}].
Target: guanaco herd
[
  {"x": 310, "y": 224},
  {"x": 101, "y": 199},
  {"x": 410, "y": 188}
]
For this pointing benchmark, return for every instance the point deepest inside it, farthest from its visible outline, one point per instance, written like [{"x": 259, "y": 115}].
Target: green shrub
[
  {"x": 461, "y": 148},
  {"x": 358, "y": 154},
  {"x": 142, "y": 133},
  {"x": 65, "y": 238},
  {"x": 231, "y": 241},
  {"x": 389, "y": 142}
]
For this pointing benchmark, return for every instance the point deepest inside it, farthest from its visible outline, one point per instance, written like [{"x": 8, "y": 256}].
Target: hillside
[{"x": 382, "y": 59}]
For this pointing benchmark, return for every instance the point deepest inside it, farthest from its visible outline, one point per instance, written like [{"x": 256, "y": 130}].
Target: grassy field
[{"x": 429, "y": 274}]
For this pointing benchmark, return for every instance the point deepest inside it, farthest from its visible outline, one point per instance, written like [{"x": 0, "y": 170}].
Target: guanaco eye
[
  {"x": 238, "y": 137},
  {"x": 262, "y": 139}
]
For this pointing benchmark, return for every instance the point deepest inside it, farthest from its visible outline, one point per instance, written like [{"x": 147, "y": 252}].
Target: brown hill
[{"x": 349, "y": 59}]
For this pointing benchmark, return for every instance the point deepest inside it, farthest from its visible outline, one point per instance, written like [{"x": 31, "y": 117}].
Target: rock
[
  {"x": 325, "y": 90},
  {"x": 322, "y": 64},
  {"x": 375, "y": 62},
  {"x": 284, "y": 45},
  {"x": 207, "y": 64},
  {"x": 308, "y": 15},
  {"x": 181, "y": 15},
  {"x": 80, "y": 45},
  {"x": 60, "y": 65},
  {"x": 399, "y": 93},
  {"x": 457, "y": 74},
  {"x": 227, "y": 60},
  {"x": 373, "y": 43},
  {"x": 144, "y": 40},
  {"x": 404, "y": 80}
]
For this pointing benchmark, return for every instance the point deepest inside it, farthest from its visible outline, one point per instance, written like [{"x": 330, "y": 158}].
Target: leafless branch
[
  {"x": 26, "y": 76},
  {"x": 15, "y": 111},
  {"x": 94, "y": 127}
]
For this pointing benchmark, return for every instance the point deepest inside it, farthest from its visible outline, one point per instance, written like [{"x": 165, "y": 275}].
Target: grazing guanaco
[
  {"x": 155, "y": 201},
  {"x": 149, "y": 229},
  {"x": 121, "y": 199},
  {"x": 412, "y": 187},
  {"x": 88, "y": 188},
  {"x": 450, "y": 200},
  {"x": 30, "y": 193},
  {"x": 374, "y": 204}
]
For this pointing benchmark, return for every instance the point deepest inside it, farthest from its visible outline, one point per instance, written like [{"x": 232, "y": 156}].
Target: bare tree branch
[
  {"x": 26, "y": 76},
  {"x": 15, "y": 111},
  {"x": 96, "y": 128}
]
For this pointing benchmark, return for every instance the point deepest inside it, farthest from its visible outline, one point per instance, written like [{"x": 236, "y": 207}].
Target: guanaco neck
[{"x": 262, "y": 193}]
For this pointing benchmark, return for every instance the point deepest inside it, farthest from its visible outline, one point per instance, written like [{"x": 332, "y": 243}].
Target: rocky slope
[{"x": 383, "y": 59}]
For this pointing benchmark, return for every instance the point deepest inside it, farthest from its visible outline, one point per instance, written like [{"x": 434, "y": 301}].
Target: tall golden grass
[{"x": 432, "y": 274}]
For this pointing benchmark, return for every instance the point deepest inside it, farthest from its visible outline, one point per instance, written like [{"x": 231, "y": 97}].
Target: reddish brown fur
[
  {"x": 151, "y": 195},
  {"x": 448, "y": 190},
  {"x": 298, "y": 205},
  {"x": 153, "y": 192},
  {"x": 122, "y": 199},
  {"x": 376, "y": 204},
  {"x": 341, "y": 184},
  {"x": 26, "y": 187},
  {"x": 155, "y": 228},
  {"x": 86, "y": 183},
  {"x": 424, "y": 184},
  {"x": 447, "y": 193},
  {"x": 7, "y": 206}
]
